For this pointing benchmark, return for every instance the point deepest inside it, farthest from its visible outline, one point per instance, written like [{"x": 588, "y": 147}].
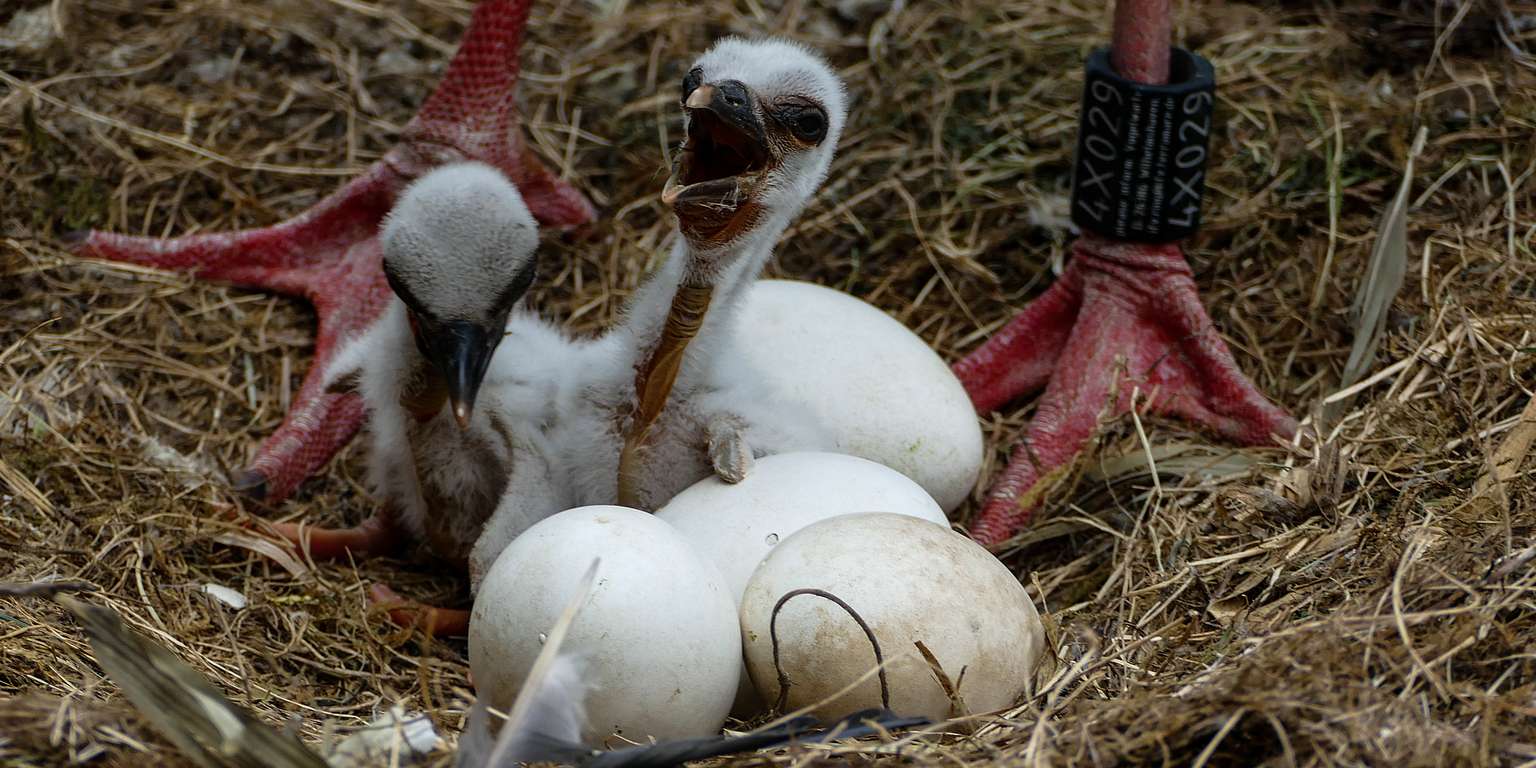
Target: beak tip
[
  {"x": 700, "y": 98},
  {"x": 461, "y": 414}
]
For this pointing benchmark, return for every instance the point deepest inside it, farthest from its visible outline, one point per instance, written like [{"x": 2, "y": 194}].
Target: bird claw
[
  {"x": 329, "y": 254},
  {"x": 249, "y": 483},
  {"x": 1122, "y": 318},
  {"x": 729, "y": 452}
]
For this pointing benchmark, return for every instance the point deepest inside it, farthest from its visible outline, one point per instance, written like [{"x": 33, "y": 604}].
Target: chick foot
[
  {"x": 378, "y": 535},
  {"x": 729, "y": 453},
  {"x": 437, "y": 622}
]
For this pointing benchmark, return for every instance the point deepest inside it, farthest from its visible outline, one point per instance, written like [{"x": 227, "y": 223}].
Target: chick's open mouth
[{"x": 717, "y": 164}]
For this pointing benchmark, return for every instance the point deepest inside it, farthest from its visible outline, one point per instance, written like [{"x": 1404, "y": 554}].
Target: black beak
[
  {"x": 462, "y": 352},
  {"x": 731, "y": 101}
]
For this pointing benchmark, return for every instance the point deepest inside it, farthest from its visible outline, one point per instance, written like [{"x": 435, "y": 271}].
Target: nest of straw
[{"x": 1363, "y": 597}]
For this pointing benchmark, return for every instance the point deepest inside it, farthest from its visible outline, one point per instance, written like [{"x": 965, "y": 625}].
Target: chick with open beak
[
  {"x": 762, "y": 119},
  {"x": 736, "y": 146}
]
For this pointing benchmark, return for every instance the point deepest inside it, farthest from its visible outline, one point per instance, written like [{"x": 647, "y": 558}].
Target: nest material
[{"x": 1365, "y": 598}]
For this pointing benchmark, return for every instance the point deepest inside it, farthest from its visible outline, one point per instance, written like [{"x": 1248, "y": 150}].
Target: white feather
[
  {"x": 550, "y": 730},
  {"x": 558, "y": 711}
]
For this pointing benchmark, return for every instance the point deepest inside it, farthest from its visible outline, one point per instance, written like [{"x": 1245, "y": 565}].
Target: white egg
[
  {"x": 736, "y": 526},
  {"x": 658, "y": 638},
  {"x": 910, "y": 581},
  {"x": 878, "y": 388}
]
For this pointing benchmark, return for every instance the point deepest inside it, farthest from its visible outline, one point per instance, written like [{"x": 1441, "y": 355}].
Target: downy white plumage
[
  {"x": 660, "y": 399},
  {"x": 461, "y": 384},
  {"x": 762, "y": 121}
]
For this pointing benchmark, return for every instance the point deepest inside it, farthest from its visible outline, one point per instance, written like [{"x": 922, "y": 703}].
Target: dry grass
[{"x": 1355, "y": 601}]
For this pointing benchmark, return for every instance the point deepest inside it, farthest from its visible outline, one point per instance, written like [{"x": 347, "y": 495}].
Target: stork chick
[
  {"x": 459, "y": 383},
  {"x": 762, "y": 120}
]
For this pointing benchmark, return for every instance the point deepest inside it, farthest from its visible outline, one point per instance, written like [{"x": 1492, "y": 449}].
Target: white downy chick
[
  {"x": 461, "y": 385},
  {"x": 762, "y": 122}
]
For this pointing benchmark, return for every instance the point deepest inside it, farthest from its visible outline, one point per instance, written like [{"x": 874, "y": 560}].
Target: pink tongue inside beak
[{"x": 701, "y": 97}]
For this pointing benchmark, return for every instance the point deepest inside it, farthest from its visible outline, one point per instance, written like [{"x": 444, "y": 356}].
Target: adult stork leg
[
  {"x": 330, "y": 254},
  {"x": 1123, "y": 317}
]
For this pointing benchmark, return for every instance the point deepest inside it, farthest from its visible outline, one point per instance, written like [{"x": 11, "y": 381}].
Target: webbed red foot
[{"x": 329, "y": 254}]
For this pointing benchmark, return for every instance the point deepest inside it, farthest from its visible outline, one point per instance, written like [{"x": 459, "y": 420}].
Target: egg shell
[
  {"x": 910, "y": 581},
  {"x": 658, "y": 638},
  {"x": 878, "y": 388}
]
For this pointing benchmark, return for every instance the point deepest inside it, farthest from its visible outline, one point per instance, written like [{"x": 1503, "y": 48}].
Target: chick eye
[
  {"x": 691, "y": 81},
  {"x": 398, "y": 286},
  {"x": 806, "y": 121}
]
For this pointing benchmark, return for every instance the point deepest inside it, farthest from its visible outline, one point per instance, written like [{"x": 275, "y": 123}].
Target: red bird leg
[
  {"x": 1139, "y": 328},
  {"x": 1123, "y": 318},
  {"x": 1139, "y": 46},
  {"x": 329, "y": 254},
  {"x": 437, "y": 622}
]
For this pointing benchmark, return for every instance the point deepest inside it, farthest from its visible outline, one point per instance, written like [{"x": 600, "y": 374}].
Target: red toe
[
  {"x": 437, "y": 622},
  {"x": 375, "y": 536},
  {"x": 1136, "y": 326},
  {"x": 330, "y": 255}
]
